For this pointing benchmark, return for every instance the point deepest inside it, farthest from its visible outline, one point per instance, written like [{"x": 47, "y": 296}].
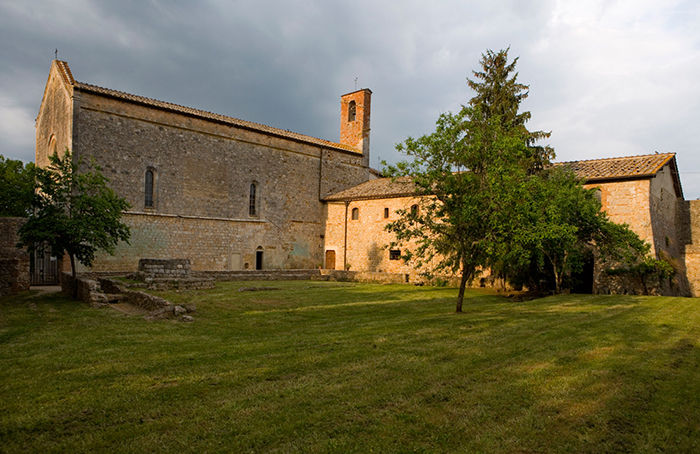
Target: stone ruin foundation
[{"x": 169, "y": 274}]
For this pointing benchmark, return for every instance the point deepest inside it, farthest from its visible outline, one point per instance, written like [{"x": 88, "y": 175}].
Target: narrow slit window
[
  {"x": 386, "y": 213},
  {"x": 148, "y": 200},
  {"x": 252, "y": 206},
  {"x": 355, "y": 214},
  {"x": 352, "y": 111}
]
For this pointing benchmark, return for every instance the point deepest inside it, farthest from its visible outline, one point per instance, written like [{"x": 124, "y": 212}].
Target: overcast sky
[{"x": 608, "y": 78}]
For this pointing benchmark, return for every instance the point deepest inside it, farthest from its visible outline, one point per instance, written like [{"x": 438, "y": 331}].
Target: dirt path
[{"x": 44, "y": 289}]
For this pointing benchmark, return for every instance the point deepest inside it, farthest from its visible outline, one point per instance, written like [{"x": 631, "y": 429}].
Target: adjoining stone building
[
  {"x": 642, "y": 191},
  {"x": 222, "y": 192},
  {"x": 228, "y": 194}
]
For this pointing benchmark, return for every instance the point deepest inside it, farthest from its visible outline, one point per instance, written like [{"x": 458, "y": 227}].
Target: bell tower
[{"x": 354, "y": 121}]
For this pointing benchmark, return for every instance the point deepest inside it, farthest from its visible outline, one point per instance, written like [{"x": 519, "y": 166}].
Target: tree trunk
[
  {"x": 462, "y": 286},
  {"x": 557, "y": 277},
  {"x": 75, "y": 281}
]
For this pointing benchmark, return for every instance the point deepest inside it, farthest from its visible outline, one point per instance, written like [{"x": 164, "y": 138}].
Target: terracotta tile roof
[
  {"x": 68, "y": 77},
  {"x": 65, "y": 72},
  {"x": 619, "y": 168},
  {"x": 593, "y": 170},
  {"x": 381, "y": 188}
]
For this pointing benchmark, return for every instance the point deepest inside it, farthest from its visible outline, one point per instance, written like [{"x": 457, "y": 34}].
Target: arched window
[
  {"x": 53, "y": 147},
  {"x": 414, "y": 210},
  {"x": 148, "y": 199},
  {"x": 252, "y": 205},
  {"x": 352, "y": 110},
  {"x": 355, "y": 214}
]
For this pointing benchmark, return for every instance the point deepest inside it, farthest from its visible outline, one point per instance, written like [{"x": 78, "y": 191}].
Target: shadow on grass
[{"x": 355, "y": 368}]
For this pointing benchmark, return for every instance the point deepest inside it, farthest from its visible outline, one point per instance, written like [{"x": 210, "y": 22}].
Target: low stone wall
[
  {"x": 135, "y": 297},
  {"x": 368, "y": 276},
  {"x": 165, "y": 268},
  {"x": 14, "y": 263},
  {"x": 258, "y": 275},
  {"x": 606, "y": 284},
  {"x": 176, "y": 284},
  {"x": 314, "y": 274},
  {"x": 146, "y": 300},
  {"x": 14, "y": 275},
  {"x": 88, "y": 290}
]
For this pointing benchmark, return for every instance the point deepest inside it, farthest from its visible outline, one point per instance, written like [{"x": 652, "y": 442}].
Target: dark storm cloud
[{"x": 608, "y": 78}]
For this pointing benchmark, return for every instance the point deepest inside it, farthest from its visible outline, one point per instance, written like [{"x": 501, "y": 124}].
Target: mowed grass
[{"x": 317, "y": 367}]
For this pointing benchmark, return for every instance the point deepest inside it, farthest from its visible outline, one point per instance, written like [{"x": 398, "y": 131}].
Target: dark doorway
[
  {"x": 583, "y": 281},
  {"x": 258, "y": 260},
  {"x": 330, "y": 260}
]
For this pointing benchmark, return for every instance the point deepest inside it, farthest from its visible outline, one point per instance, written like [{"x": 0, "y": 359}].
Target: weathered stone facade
[
  {"x": 689, "y": 226},
  {"x": 650, "y": 206},
  {"x": 14, "y": 263},
  {"x": 224, "y": 193},
  {"x": 230, "y": 195},
  {"x": 165, "y": 268},
  {"x": 643, "y": 192},
  {"x": 363, "y": 244}
]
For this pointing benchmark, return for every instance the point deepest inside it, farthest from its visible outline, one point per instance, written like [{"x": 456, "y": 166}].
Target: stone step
[{"x": 115, "y": 298}]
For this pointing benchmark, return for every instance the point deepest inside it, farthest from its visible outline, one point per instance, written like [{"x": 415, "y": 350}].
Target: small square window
[{"x": 394, "y": 254}]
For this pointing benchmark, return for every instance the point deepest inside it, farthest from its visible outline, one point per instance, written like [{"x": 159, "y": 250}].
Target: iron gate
[{"x": 44, "y": 268}]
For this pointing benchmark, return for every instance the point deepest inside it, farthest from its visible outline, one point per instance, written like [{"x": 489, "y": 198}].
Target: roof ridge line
[{"x": 618, "y": 157}]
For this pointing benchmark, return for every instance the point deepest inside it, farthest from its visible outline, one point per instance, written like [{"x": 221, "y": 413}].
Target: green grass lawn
[{"x": 318, "y": 367}]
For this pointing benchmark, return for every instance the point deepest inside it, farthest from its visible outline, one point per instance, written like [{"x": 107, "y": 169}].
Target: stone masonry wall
[
  {"x": 165, "y": 268},
  {"x": 88, "y": 290},
  {"x": 649, "y": 207},
  {"x": 203, "y": 172},
  {"x": 690, "y": 223},
  {"x": 355, "y": 131},
  {"x": 203, "y": 168},
  {"x": 14, "y": 263},
  {"x": 214, "y": 244},
  {"x": 54, "y": 123},
  {"x": 628, "y": 202},
  {"x": 367, "y": 241}
]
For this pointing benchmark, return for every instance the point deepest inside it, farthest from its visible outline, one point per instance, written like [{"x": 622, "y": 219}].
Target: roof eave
[{"x": 374, "y": 197}]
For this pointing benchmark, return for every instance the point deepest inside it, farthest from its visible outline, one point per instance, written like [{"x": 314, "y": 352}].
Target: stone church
[
  {"x": 228, "y": 194},
  {"x": 225, "y": 193}
]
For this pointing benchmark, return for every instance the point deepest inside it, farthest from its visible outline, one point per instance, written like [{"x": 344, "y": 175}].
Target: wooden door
[{"x": 330, "y": 260}]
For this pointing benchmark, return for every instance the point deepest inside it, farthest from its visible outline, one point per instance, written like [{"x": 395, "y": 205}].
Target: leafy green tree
[
  {"x": 74, "y": 212},
  {"x": 471, "y": 173},
  {"x": 16, "y": 187},
  {"x": 565, "y": 224},
  {"x": 491, "y": 198}
]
